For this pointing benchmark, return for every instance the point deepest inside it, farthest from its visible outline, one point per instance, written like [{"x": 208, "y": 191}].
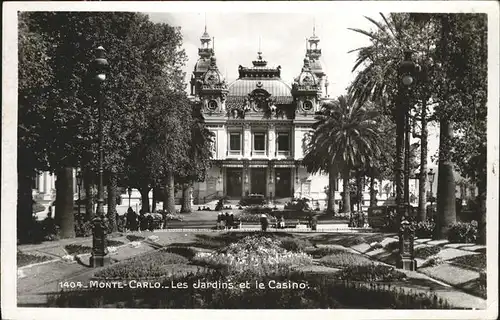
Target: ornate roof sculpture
[
  {"x": 307, "y": 82},
  {"x": 213, "y": 79},
  {"x": 258, "y": 89}
]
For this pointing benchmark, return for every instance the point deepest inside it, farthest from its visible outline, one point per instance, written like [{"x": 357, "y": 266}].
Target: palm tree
[{"x": 345, "y": 136}]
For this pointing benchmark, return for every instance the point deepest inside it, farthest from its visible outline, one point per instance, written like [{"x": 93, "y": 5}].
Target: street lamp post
[
  {"x": 99, "y": 256},
  {"x": 79, "y": 185},
  {"x": 431, "y": 175},
  {"x": 407, "y": 71},
  {"x": 129, "y": 190}
]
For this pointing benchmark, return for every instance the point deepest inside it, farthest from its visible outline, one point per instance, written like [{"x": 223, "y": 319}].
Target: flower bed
[
  {"x": 114, "y": 243},
  {"x": 344, "y": 259},
  {"x": 258, "y": 254},
  {"x": 351, "y": 241},
  {"x": 146, "y": 266},
  {"x": 24, "y": 259},
  {"x": 370, "y": 272},
  {"x": 132, "y": 237},
  {"x": 294, "y": 244},
  {"x": 477, "y": 261},
  {"x": 73, "y": 249},
  {"x": 426, "y": 252}
]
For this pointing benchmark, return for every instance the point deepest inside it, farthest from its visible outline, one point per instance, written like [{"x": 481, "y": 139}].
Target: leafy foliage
[
  {"x": 463, "y": 232},
  {"x": 370, "y": 272}
]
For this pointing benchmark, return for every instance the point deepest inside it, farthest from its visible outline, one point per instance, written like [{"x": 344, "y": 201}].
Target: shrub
[
  {"x": 344, "y": 259},
  {"x": 391, "y": 246},
  {"x": 147, "y": 266},
  {"x": 73, "y": 249},
  {"x": 24, "y": 259},
  {"x": 370, "y": 272},
  {"x": 474, "y": 260},
  {"x": 463, "y": 232},
  {"x": 295, "y": 244},
  {"x": 425, "y": 252},
  {"x": 255, "y": 209},
  {"x": 425, "y": 229}
]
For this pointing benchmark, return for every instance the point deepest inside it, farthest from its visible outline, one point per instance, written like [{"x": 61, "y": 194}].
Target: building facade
[{"x": 261, "y": 126}]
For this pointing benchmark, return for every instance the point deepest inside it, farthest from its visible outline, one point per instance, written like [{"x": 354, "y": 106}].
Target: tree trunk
[
  {"x": 112, "y": 190},
  {"x": 170, "y": 194},
  {"x": 359, "y": 192},
  {"x": 153, "y": 204},
  {"x": 373, "y": 193},
  {"x": 186, "y": 198},
  {"x": 24, "y": 206},
  {"x": 481, "y": 185},
  {"x": 88, "y": 186},
  {"x": 446, "y": 211},
  {"x": 64, "y": 215},
  {"x": 332, "y": 175},
  {"x": 346, "y": 199},
  {"x": 422, "y": 183},
  {"x": 144, "y": 190}
]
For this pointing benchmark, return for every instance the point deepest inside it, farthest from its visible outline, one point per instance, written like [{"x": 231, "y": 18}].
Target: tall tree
[{"x": 35, "y": 75}]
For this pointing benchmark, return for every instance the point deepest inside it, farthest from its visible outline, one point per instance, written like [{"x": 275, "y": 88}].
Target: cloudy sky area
[{"x": 283, "y": 42}]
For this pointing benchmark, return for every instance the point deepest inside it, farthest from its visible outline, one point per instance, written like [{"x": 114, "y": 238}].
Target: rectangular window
[
  {"x": 259, "y": 143},
  {"x": 283, "y": 142},
  {"x": 235, "y": 142}
]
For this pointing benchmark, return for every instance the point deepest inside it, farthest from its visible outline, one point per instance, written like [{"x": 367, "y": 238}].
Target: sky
[{"x": 282, "y": 42}]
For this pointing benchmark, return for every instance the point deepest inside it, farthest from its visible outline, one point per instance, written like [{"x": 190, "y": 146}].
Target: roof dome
[{"x": 243, "y": 87}]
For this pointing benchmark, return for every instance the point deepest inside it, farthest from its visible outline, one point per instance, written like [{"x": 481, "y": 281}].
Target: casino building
[{"x": 261, "y": 125}]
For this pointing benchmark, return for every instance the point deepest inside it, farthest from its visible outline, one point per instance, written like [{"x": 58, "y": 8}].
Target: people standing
[
  {"x": 230, "y": 220},
  {"x": 219, "y": 221},
  {"x": 264, "y": 222}
]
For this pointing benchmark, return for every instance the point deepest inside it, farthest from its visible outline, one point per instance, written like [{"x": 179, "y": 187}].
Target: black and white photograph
[{"x": 330, "y": 157}]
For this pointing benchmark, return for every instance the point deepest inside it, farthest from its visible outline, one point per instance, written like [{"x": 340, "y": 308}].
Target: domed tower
[
  {"x": 314, "y": 55},
  {"x": 204, "y": 53},
  {"x": 306, "y": 91}
]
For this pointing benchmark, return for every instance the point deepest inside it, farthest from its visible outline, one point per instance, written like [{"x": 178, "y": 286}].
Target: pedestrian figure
[
  {"x": 219, "y": 221},
  {"x": 264, "y": 222},
  {"x": 282, "y": 222},
  {"x": 131, "y": 217},
  {"x": 143, "y": 222},
  {"x": 230, "y": 220},
  {"x": 226, "y": 217},
  {"x": 222, "y": 221}
]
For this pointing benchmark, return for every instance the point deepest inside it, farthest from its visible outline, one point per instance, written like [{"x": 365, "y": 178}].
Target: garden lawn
[
  {"x": 151, "y": 265},
  {"x": 344, "y": 259},
  {"x": 24, "y": 259}
]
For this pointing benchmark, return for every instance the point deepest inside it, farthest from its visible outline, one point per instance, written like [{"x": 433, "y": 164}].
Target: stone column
[
  {"x": 247, "y": 140},
  {"x": 271, "y": 134},
  {"x": 46, "y": 183},
  {"x": 39, "y": 177}
]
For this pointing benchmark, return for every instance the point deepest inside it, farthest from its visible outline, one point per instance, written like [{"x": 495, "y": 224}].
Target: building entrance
[
  {"x": 233, "y": 182},
  {"x": 283, "y": 182},
  {"x": 258, "y": 182}
]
